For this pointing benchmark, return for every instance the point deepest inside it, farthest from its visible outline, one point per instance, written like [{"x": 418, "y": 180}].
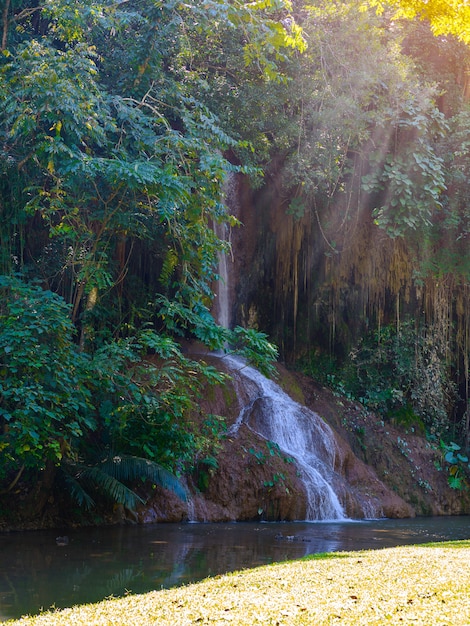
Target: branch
[
  {"x": 14, "y": 481},
  {"x": 5, "y": 24}
]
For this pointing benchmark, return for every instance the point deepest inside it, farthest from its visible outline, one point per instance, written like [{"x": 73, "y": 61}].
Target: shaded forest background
[{"x": 329, "y": 144}]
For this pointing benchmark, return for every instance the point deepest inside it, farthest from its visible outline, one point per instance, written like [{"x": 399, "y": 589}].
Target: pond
[{"x": 36, "y": 573}]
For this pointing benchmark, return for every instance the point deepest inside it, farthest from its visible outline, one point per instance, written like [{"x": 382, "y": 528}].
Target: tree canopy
[
  {"x": 451, "y": 17},
  {"x": 112, "y": 179}
]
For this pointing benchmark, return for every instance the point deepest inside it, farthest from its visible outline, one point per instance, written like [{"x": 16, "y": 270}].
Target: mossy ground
[{"x": 427, "y": 585}]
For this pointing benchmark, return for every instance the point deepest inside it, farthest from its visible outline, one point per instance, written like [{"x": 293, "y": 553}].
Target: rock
[
  {"x": 62, "y": 541},
  {"x": 374, "y": 477}
]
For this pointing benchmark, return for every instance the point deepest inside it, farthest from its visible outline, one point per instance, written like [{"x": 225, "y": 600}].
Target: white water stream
[
  {"x": 222, "y": 303},
  {"x": 298, "y": 431}
]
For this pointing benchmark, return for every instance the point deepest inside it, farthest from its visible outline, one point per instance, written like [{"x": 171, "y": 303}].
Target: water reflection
[{"x": 37, "y": 573}]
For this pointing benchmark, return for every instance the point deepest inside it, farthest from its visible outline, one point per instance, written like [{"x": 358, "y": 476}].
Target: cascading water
[
  {"x": 222, "y": 302},
  {"x": 273, "y": 415},
  {"x": 298, "y": 431},
  {"x": 222, "y": 292}
]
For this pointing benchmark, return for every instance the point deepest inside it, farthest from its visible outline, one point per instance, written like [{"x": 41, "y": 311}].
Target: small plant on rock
[{"x": 457, "y": 463}]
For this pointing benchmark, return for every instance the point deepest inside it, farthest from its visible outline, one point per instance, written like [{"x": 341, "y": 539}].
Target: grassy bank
[{"x": 428, "y": 585}]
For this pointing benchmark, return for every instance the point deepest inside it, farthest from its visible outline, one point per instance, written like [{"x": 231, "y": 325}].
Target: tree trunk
[{"x": 37, "y": 498}]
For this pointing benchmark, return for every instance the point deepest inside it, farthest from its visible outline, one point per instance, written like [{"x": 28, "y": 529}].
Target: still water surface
[{"x": 37, "y": 573}]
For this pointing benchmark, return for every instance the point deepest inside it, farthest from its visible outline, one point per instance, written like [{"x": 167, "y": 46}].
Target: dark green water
[{"x": 37, "y": 573}]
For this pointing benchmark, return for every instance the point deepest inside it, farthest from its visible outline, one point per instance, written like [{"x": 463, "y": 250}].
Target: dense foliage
[
  {"x": 367, "y": 206},
  {"x": 451, "y": 17},
  {"x": 120, "y": 124},
  {"x": 112, "y": 180}
]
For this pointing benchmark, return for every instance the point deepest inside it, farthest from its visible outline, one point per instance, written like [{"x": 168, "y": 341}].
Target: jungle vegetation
[{"x": 120, "y": 123}]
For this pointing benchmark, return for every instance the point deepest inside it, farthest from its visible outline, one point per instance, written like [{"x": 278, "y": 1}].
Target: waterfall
[
  {"x": 298, "y": 431},
  {"x": 222, "y": 291},
  {"x": 273, "y": 415},
  {"x": 222, "y": 303}
]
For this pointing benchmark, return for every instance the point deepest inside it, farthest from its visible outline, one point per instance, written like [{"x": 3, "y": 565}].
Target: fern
[
  {"x": 169, "y": 264},
  {"x": 108, "y": 477},
  {"x": 77, "y": 492},
  {"x": 129, "y": 468},
  {"x": 99, "y": 480}
]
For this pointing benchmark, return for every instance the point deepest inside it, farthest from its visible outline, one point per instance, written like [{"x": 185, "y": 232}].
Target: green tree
[
  {"x": 116, "y": 155},
  {"x": 45, "y": 404},
  {"x": 112, "y": 179},
  {"x": 446, "y": 18}
]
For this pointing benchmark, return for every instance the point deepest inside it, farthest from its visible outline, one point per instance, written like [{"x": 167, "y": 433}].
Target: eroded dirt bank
[
  {"x": 384, "y": 470},
  {"x": 381, "y": 469}
]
